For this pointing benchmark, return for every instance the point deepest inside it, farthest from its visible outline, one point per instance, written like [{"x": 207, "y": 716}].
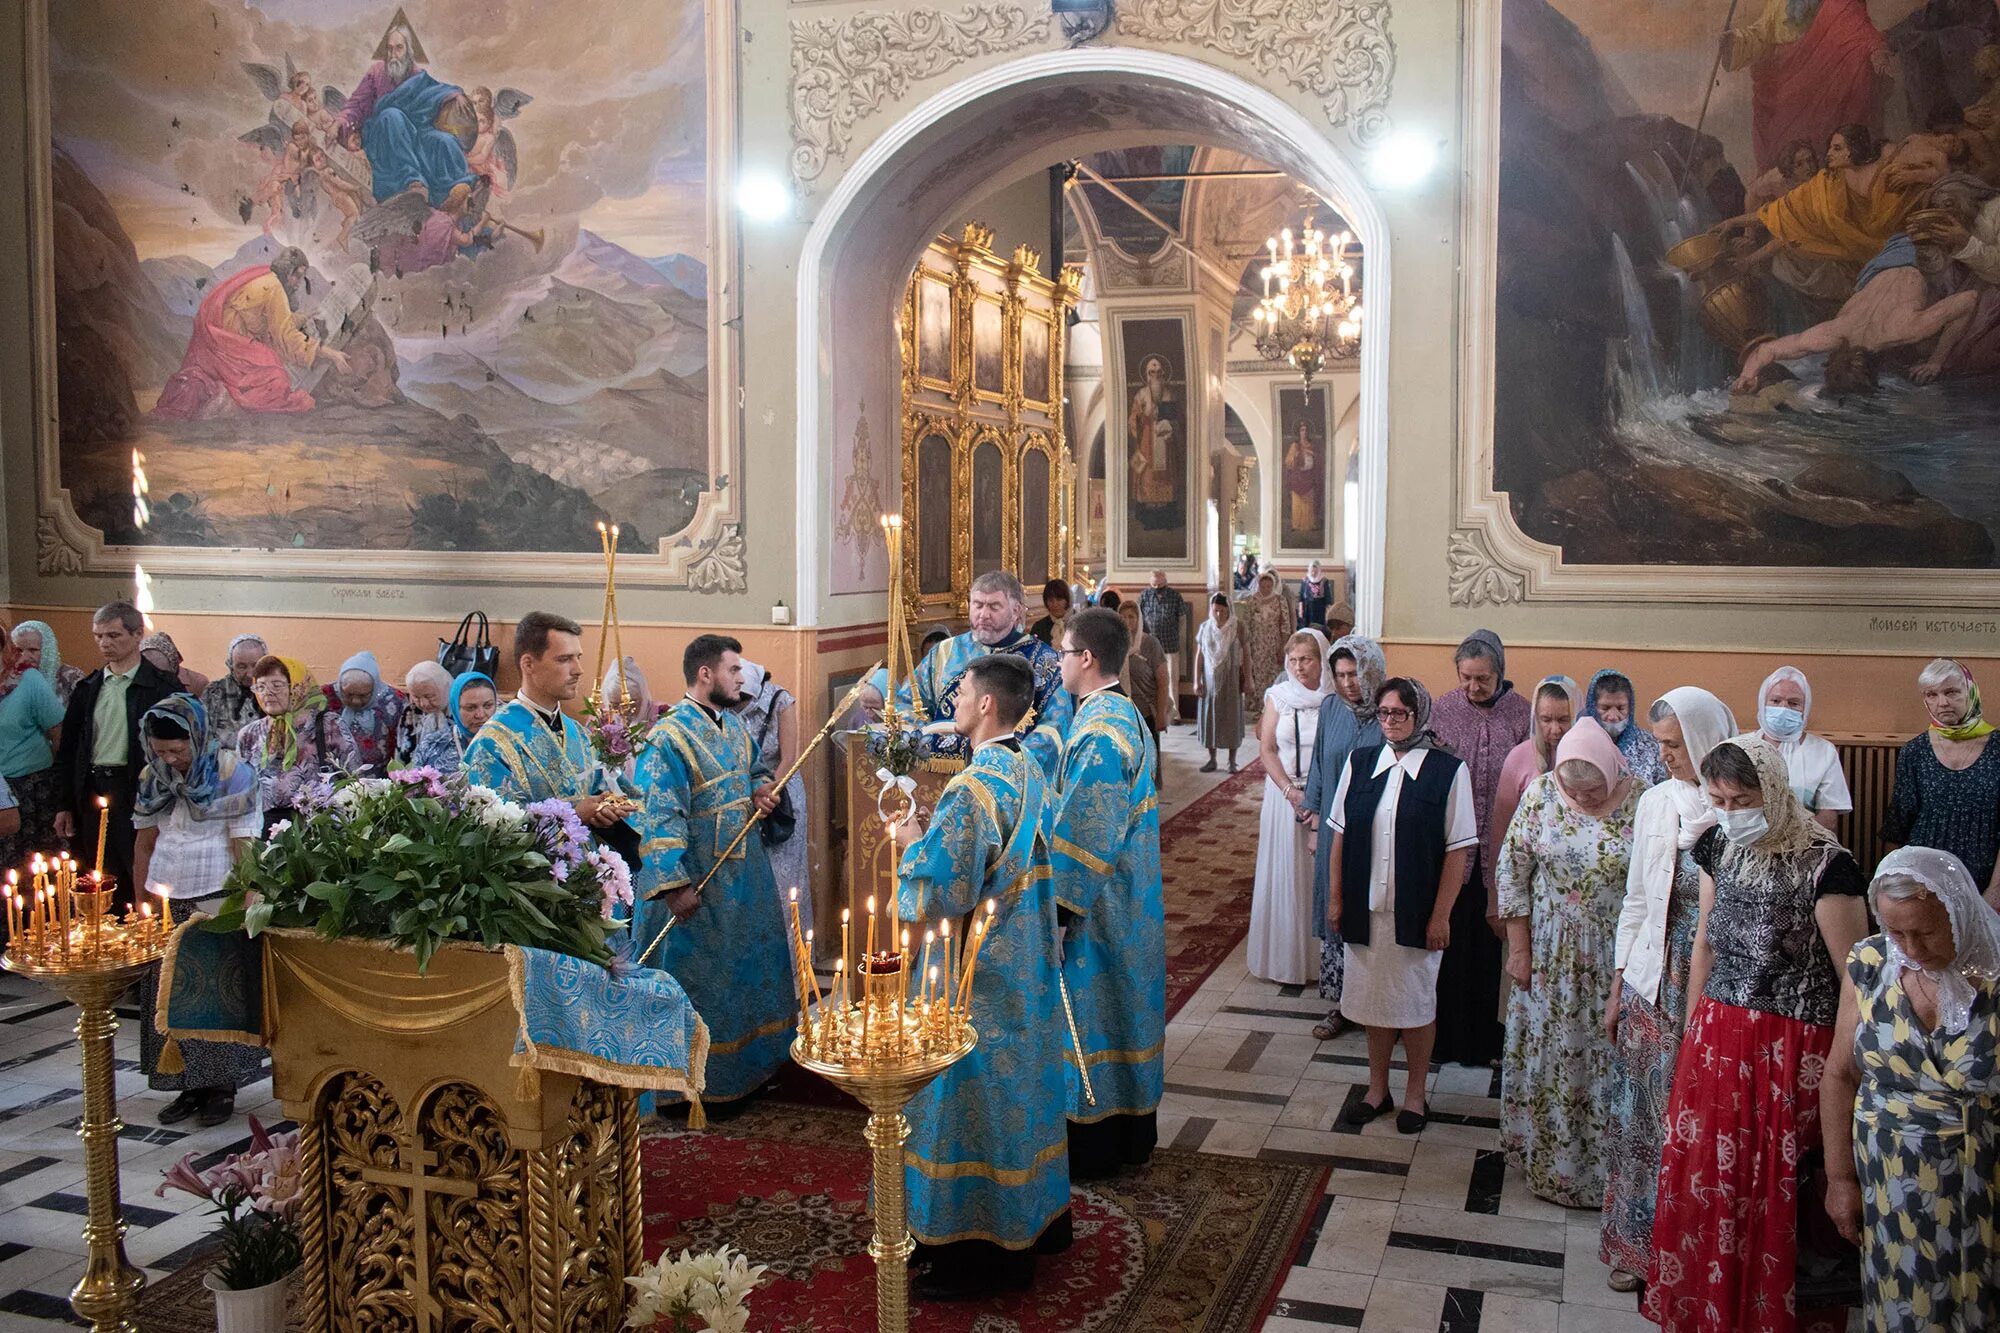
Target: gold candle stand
[{"x": 108, "y": 1292}]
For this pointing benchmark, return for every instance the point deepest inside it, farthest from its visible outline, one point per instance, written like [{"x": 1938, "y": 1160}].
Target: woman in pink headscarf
[{"x": 1561, "y": 882}]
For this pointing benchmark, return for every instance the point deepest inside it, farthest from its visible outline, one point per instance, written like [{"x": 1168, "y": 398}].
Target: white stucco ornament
[
  {"x": 1477, "y": 577},
  {"x": 845, "y": 68}
]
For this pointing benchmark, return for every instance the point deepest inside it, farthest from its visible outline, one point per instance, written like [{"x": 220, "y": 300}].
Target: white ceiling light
[
  {"x": 763, "y": 196},
  {"x": 1403, "y": 160}
]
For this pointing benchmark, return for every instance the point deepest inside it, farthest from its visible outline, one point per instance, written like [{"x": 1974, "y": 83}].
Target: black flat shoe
[
  {"x": 1208, "y": 767},
  {"x": 216, "y": 1107},
  {"x": 1411, "y": 1122},
  {"x": 1361, "y": 1113},
  {"x": 180, "y": 1108}
]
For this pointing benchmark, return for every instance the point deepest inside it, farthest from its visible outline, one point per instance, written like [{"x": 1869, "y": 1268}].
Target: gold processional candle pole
[
  {"x": 63, "y": 929},
  {"x": 840, "y": 711}
]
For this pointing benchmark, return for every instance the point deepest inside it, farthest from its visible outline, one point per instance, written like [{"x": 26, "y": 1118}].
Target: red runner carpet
[
  {"x": 1187, "y": 1244},
  {"x": 1208, "y": 867}
]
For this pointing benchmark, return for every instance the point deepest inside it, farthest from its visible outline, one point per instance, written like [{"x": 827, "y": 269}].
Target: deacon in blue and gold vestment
[
  {"x": 1104, "y": 854},
  {"x": 530, "y": 750},
  {"x": 699, "y": 779},
  {"x": 987, "y": 1163},
  {"x": 995, "y": 607}
]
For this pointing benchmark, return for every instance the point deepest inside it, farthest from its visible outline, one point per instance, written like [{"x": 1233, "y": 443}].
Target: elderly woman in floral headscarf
[
  {"x": 159, "y": 649},
  {"x": 370, "y": 711},
  {"x": 1403, "y": 831},
  {"x": 1346, "y": 723},
  {"x": 1781, "y": 909},
  {"x": 195, "y": 812},
  {"x": 40, "y": 652},
  {"x": 1612, "y": 701},
  {"x": 1911, "y": 1100},
  {"x": 295, "y": 741}
]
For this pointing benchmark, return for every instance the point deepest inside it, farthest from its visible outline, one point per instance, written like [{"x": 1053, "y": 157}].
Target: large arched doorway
[{"x": 996, "y": 125}]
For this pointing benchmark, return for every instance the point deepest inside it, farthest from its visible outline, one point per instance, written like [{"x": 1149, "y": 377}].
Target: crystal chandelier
[{"x": 1310, "y": 312}]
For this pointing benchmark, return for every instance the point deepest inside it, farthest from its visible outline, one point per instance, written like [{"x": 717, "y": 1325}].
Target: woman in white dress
[
  {"x": 1404, "y": 829},
  {"x": 1221, "y": 679},
  {"x": 1283, "y": 947}
]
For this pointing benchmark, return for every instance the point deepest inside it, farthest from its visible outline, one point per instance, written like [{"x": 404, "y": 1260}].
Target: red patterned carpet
[
  {"x": 1208, "y": 865},
  {"x": 1188, "y": 1244}
]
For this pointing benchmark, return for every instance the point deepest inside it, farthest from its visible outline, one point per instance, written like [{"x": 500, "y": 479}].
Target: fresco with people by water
[{"x": 1748, "y": 307}]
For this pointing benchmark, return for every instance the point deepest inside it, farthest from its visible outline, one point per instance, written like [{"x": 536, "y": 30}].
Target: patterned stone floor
[{"x": 1431, "y": 1232}]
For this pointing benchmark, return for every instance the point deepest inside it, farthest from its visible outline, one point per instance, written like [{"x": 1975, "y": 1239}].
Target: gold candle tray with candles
[
  {"x": 64, "y": 929},
  {"x": 907, "y": 1026}
]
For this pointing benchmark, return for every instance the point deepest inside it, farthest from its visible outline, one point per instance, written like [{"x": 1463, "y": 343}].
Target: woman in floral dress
[
  {"x": 1911, "y": 1100},
  {"x": 1267, "y": 627},
  {"x": 1647, "y": 1004},
  {"x": 1561, "y": 882}
]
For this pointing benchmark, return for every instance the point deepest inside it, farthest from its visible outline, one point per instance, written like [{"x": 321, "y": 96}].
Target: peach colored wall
[{"x": 1854, "y": 694}]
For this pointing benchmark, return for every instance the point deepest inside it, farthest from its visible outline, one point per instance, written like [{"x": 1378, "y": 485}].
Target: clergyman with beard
[
  {"x": 699, "y": 780},
  {"x": 247, "y": 336}
]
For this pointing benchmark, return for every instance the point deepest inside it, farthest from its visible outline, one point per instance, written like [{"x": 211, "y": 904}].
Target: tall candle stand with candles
[
  {"x": 63, "y": 929},
  {"x": 907, "y": 1025}
]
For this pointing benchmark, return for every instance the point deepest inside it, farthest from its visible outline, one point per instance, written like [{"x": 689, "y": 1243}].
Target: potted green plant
[{"x": 255, "y": 1195}]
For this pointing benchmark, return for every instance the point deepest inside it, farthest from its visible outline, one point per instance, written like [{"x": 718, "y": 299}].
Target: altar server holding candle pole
[
  {"x": 1104, "y": 852},
  {"x": 987, "y": 1160},
  {"x": 700, "y": 779}
]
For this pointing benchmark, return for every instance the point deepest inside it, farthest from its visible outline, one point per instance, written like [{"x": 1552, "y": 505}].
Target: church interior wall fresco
[{"x": 1485, "y": 517}]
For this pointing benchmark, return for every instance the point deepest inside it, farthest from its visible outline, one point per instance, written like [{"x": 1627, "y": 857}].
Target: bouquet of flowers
[
  {"x": 616, "y": 731},
  {"x": 418, "y": 858},
  {"x": 256, "y": 1194},
  {"x": 714, "y": 1288}
]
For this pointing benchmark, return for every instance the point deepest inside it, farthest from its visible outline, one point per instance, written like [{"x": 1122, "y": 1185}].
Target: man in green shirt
[{"x": 99, "y": 753}]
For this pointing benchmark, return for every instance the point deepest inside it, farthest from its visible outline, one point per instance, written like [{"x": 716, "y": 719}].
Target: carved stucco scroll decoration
[
  {"x": 1476, "y": 575},
  {"x": 845, "y": 68},
  {"x": 1339, "y": 51},
  {"x": 720, "y": 567},
  {"x": 55, "y": 557}
]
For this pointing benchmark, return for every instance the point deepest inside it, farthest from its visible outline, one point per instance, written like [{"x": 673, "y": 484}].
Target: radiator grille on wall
[{"x": 1870, "y": 765}]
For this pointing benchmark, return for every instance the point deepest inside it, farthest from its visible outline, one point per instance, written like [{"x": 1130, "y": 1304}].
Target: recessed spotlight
[
  {"x": 763, "y": 196},
  {"x": 1403, "y": 160}
]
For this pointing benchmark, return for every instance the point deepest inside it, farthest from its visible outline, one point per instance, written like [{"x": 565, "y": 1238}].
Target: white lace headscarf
[{"x": 1975, "y": 929}]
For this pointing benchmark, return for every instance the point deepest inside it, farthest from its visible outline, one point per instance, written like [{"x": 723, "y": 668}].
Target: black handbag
[
  {"x": 461, "y": 654},
  {"x": 778, "y": 826}
]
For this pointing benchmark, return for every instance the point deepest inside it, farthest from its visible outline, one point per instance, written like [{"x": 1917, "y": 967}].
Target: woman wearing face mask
[
  {"x": 1783, "y": 705},
  {"x": 1911, "y": 1100},
  {"x": 1558, "y": 704},
  {"x": 1561, "y": 884},
  {"x": 1647, "y": 1004},
  {"x": 1610, "y": 699},
  {"x": 1346, "y": 724},
  {"x": 1781, "y": 909},
  {"x": 1947, "y": 792}
]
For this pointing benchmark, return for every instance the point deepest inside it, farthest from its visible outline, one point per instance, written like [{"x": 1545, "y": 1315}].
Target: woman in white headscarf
[
  {"x": 1283, "y": 947},
  {"x": 769, "y": 713},
  {"x": 1647, "y": 1007},
  {"x": 1911, "y": 1100},
  {"x": 1784, "y": 705},
  {"x": 1781, "y": 909}
]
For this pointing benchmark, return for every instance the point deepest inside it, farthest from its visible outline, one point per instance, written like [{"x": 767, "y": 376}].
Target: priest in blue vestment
[
  {"x": 699, "y": 780},
  {"x": 995, "y": 608},
  {"x": 987, "y": 1160},
  {"x": 530, "y": 750},
  {"x": 1104, "y": 852}
]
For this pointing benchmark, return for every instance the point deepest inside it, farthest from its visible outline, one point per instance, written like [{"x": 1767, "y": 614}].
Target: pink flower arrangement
[{"x": 256, "y": 1195}]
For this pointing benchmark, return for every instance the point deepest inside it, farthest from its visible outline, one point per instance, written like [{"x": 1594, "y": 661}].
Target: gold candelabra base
[
  {"x": 884, "y": 1084},
  {"x": 108, "y": 1292}
]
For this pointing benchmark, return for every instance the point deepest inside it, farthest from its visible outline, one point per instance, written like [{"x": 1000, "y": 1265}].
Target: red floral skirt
[{"x": 1745, "y": 1108}]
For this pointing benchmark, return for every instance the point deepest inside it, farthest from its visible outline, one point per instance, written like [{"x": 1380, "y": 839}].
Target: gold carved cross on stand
[{"x": 415, "y": 1178}]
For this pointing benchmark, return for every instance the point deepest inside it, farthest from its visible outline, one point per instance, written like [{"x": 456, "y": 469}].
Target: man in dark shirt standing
[
  {"x": 1165, "y": 612},
  {"x": 99, "y": 756}
]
